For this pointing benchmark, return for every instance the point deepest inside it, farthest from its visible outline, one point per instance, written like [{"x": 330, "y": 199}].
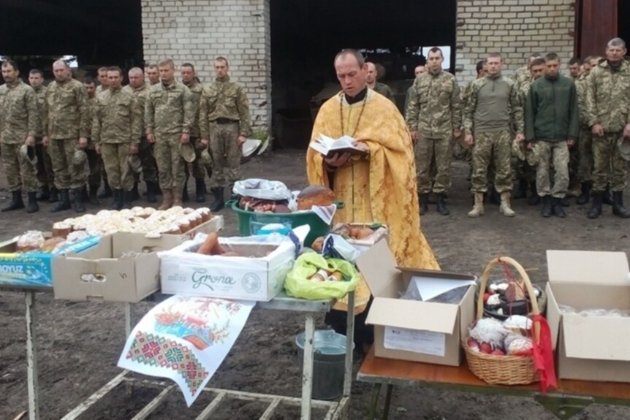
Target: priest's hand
[
  {"x": 362, "y": 146},
  {"x": 469, "y": 140},
  {"x": 337, "y": 160}
]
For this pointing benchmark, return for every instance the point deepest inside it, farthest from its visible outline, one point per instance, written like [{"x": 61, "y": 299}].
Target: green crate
[{"x": 318, "y": 227}]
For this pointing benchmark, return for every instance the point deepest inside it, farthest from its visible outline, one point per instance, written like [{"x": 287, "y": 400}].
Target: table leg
[
  {"x": 307, "y": 367},
  {"x": 31, "y": 357},
  {"x": 376, "y": 391},
  {"x": 388, "y": 401},
  {"x": 347, "y": 379},
  {"x": 127, "y": 319}
]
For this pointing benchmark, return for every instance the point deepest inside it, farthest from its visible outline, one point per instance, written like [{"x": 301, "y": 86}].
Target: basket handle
[{"x": 483, "y": 283}]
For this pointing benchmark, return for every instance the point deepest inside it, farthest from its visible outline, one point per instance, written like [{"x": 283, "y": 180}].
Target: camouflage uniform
[
  {"x": 168, "y": 114},
  {"x": 145, "y": 149},
  {"x": 492, "y": 131},
  {"x": 585, "y": 141},
  {"x": 65, "y": 120},
  {"x": 117, "y": 124},
  {"x": 521, "y": 169},
  {"x": 197, "y": 166},
  {"x": 45, "y": 176},
  {"x": 608, "y": 104},
  {"x": 223, "y": 116},
  {"x": 95, "y": 162},
  {"x": 18, "y": 119},
  {"x": 434, "y": 111}
]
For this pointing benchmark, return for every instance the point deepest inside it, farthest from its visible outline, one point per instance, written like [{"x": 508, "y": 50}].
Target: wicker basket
[{"x": 496, "y": 369}]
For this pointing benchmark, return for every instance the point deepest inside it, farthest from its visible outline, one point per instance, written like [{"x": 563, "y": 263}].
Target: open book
[{"x": 326, "y": 145}]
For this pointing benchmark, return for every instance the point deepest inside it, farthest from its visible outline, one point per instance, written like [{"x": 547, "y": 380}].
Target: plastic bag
[
  {"x": 262, "y": 189},
  {"x": 299, "y": 285}
]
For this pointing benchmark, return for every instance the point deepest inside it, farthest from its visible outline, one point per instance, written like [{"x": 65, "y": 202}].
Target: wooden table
[{"x": 569, "y": 399}]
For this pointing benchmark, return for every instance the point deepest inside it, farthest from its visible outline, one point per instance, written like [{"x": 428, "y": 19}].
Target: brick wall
[
  {"x": 196, "y": 31},
  {"x": 516, "y": 28}
]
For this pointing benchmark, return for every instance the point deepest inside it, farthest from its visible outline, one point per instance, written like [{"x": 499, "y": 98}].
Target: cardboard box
[
  {"x": 139, "y": 242},
  {"x": 408, "y": 329},
  {"x": 33, "y": 270},
  {"x": 260, "y": 277},
  {"x": 595, "y": 348},
  {"x": 102, "y": 274}
]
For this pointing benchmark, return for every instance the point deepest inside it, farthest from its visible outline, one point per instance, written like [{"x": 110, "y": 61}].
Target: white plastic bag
[{"x": 262, "y": 189}]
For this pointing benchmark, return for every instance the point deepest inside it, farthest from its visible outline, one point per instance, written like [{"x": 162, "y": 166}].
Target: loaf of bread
[{"x": 315, "y": 195}]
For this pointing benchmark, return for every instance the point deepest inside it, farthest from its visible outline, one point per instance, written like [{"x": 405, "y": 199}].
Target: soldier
[
  {"x": 608, "y": 115},
  {"x": 152, "y": 74},
  {"x": 418, "y": 71},
  {"x": 434, "y": 118},
  {"x": 224, "y": 122},
  {"x": 585, "y": 140},
  {"x": 552, "y": 125},
  {"x": 575, "y": 68},
  {"x": 375, "y": 85},
  {"x": 492, "y": 110},
  {"x": 66, "y": 129},
  {"x": 168, "y": 118},
  {"x": 45, "y": 175},
  {"x": 103, "y": 81},
  {"x": 95, "y": 162},
  {"x": 145, "y": 150},
  {"x": 116, "y": 131},
  {"x": 189, "y": 78},
  {"x": 522, "y": 73},
  {"x": 18, "y": 126}
]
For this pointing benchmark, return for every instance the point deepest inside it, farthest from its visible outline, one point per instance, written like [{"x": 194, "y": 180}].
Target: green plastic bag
[{"x": 297, "y": 283}]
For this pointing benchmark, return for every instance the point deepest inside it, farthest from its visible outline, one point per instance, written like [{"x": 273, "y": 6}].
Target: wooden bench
[{"x": 569, "y": 399}]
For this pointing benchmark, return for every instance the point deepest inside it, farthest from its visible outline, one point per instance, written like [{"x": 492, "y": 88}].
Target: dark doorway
[
  {"x": 624, "y": 18},
  {"x": 306, "y": 34},
  {"x": 98, "y": 33}
]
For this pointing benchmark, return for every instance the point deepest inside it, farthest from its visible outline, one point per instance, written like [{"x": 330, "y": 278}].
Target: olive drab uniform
[
  {"x": 169, "y": 112},
  {"x": 608, "y": 104},
  {"x": 95, "y": 162},
  {"x": 65, "y": 121},
  {"x": 45, "y": 176},
  {"x": 223, "y": 116},
  {"x": 434, "y": 112},
  {"x": 198, "y": 167},
  {"x": 117, "y": 124},
  {"x": 18, "y": 119}
]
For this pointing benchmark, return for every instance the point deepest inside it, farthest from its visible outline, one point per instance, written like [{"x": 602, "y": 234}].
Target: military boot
[
  {"x": 534, "y": 198},
  {"x": 547, "y": 208},
  {"x": 607, "y": 197},
  {"x": 78, "y": 204},
  {"x": 16, "y": 201},
  {"x": 557, "y": 207},
  {"x": 167, "y": 199},
  {"x": 92, "y": 196},
  {"x": 585, "y": 196},
  {"x": 424, "y": 203},
  {"x": 219, "y": 201},
  {"x": 117, "y": 202},
  {"x": 107, "y": 191},
  {"x": 178, "y": 197},
  {"x": 43, "y": 194},
  {"x": 32, "y": 205},
  {"x": 596, "y": 205},
  {"x": 151, "y": 190},
  {"x": 521, "y": 190},
  {"x": 477, "y": 209},
  {"x": 126, "y": 197},
  {"x": 54, "y": 195},
  {"x": 506, "y": 208},
  {"x": 135, "y": 195},
  {"x": 200, "y": 190},
  {"x": 441, "y": 204},
  {"x": 618, "y": 207},
  {"x": 63, "y": 203}
]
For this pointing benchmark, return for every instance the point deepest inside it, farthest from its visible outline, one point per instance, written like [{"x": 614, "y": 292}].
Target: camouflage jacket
[
  {"x": 18, "y": 112},
  {"x": 224, "y": 99},
  {"x": 608, "y": 97},
  {"x": 580, "y": 87},
  {"x": 66, "y": 110},
  {"x": 40, "y": 93},
  {"x": 168, "y": 109},
  {"x": 435, "y": 107},
  {"x": 493, "y": 104},
  {"x": 195, "y": 90},
  {"x": 117, "y": 118},
  {"x": 141, "y": 95}
]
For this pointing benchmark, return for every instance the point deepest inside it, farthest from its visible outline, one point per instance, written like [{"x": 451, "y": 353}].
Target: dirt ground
[{"x": 80, "y": 342}]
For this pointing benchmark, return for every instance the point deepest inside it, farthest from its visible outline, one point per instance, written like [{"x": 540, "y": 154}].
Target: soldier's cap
[
  {"x": 624, "y": 148},
  {"x": 28, "y": 153},
  {"x": 135, "y": 164},
  {"x": 187, "y": 152},
  {"x": 206, "y": 159},
  {"x": 79, "y": 157}
]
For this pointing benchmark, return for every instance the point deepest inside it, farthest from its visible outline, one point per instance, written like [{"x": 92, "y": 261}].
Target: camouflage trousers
[
  {"x": 95, "y": 162},
  {"x": 608, "y": 165},
  {"x": 552, "y": 156},
  {"x": 45, "y": 175},
  {"x": 67, "y": 174},
  {"x": 198, "y": 167},
  {"x": 585, "y": 155},
  {"x": 119, "y": 174},
  {"x": 492, "y": 147},
  {"x": 226, "y": 154},
  {"x": 149, "y": 165},
  {"x": 20, "y": 171},
  {"x": 170, "y": 164},
  {"x": 438, "y": 152}
]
